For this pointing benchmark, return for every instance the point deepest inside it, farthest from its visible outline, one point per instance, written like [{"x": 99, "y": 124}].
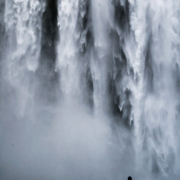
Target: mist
[{"x": 89, "y": 89}]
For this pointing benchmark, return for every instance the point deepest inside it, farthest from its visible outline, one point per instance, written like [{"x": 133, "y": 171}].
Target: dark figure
[{"x": 129, "y": 178}]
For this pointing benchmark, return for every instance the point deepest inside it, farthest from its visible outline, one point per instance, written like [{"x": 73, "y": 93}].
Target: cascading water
[
  {"x": 89, "y": 89},
  {"x": 23, "y": 30}
]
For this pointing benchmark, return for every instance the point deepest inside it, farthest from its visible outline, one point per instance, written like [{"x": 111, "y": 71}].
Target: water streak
[{"x": 112, "y": 67}]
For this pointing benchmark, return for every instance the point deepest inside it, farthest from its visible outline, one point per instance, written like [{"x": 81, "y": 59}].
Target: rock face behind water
[{"x": 89, "y": 89}]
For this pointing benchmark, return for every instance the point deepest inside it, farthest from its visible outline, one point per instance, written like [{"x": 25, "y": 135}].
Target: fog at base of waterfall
[{"x": 89, "y": 89}]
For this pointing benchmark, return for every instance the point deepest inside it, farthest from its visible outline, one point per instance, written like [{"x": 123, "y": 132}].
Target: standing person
[{"x": 129, "y": 178}]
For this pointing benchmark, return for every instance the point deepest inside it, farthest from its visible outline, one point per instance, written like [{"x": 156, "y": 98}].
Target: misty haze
[{"x": 89, "y": 89}]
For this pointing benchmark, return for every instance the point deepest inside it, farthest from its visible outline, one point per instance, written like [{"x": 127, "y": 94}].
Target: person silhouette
[{"x": 129, "y": 178}]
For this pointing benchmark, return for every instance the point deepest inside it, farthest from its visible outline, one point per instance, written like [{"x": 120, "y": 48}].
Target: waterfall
[{"x": 89, "y": 89}]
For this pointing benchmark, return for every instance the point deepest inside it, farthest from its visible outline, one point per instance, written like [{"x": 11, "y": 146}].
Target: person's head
[{"x": 129, "y": 178}]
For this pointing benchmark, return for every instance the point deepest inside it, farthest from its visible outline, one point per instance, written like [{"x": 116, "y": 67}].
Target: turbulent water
[{"x": 89, "y": 89}]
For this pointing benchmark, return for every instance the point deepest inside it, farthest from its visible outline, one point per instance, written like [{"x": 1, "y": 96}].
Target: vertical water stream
[{"x": 89, "y": 89}]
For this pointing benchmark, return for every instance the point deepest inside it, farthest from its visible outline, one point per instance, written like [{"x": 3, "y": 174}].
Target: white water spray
[{"x": 117, "y": 71}]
